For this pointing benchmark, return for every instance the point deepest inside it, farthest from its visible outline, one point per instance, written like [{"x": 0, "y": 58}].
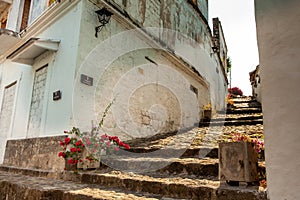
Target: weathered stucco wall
[
  {"x": 56, "y": 115},
  {"x": 278, "y": 41},
  {"x": 163, "y": 91},
  {"x": 135, "y": 65}
]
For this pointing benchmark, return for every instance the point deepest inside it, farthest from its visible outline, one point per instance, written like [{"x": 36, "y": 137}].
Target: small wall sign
[
  {"x": 87, "y": 80},
  {"x": 56, "y": 95}
]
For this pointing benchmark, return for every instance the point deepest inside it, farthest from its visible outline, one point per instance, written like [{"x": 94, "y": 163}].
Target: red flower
[
  {"x": 103, "y": 137},
  {"x": 88, "y": 142},
  {"x": 70, "y": 161},
  {"x": 61, "y": 154},
  {"x": 65, "y": 131},
  {"x": 78, "y": 143},
  {"x": 113, "y": 138},
  {"x": 80, "y": 160},
  {"x": 126, "y": 146},
  {"x": 67, "y": 140},
  {"x": 73, "y": 150},
  {"x": 78, "y": 149},
  {"x": 88, "y": 158},
  {"x": 108, "y": 143},
  {"x": 61, "y": 143},
  {"x": 117, "y": 140}
]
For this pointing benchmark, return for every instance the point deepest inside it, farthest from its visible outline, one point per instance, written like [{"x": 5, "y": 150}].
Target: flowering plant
[
  {"x": 229, "y": 100},
  {"x": 235, "y": 91},
  {"x": 239, "y": 137},
  {"x": 72, "y": 148},
  {"x": 96, "y": 143},
  {"x": 207, "y": 107}
]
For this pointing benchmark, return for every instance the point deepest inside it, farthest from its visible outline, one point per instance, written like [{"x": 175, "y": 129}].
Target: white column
[{"x": 278, "y": 31}]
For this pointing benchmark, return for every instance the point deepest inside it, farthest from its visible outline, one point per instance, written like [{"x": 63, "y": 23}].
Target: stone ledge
[{"x": 36, "y": 153}]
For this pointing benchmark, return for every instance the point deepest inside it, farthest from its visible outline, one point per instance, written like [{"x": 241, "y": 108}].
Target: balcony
[
  {"x": 8, "y": 39},
  {"x": 4, "y": 7}
]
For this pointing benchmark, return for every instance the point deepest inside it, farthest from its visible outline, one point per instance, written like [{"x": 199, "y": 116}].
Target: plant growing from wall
[{"x": 229, "y": 64}]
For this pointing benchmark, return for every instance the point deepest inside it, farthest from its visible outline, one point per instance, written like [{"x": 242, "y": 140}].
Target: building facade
[
  {"x": 280, "y": 78},
  {"x": 255, "y": 83},
  {"x": 56, "y": 71}
]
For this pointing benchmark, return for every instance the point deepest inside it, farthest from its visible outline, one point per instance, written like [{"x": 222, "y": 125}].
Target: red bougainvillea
[{"x": 235, "y": 91}]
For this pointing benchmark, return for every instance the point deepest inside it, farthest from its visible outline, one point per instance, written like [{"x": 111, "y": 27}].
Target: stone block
[
  {"x": 36, "y": 153},
  {"x": 238, "y": 162}
]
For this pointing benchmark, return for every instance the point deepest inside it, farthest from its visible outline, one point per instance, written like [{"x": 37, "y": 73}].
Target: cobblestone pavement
[{"x": 187, "y": 177}]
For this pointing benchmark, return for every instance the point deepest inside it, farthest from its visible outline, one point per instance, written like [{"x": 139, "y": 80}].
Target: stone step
[
  {"x": 231, "y": 123},
  {"x": 17, "y": 186},
  {"x": 244, "y": 111},
  {"x": 246, "y": 105},
  {"x": 236, "y": 118},
  {"x": 244, "y": 100},
  {"x": 207, "y": 168},
  {"x": 197, "y": 152},
  {"x": 184, "y": 167},
  {"x": 169, "y": 187}
]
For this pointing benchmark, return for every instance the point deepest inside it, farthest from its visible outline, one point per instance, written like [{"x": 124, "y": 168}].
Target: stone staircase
[{"x": 172, "y": 166}]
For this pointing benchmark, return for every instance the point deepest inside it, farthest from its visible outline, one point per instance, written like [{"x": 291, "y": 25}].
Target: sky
[{"x": 238, "y": 23}]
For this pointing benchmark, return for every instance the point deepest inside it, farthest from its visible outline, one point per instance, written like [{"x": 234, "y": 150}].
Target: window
[
  {"x": 7, "y": 108},
  {"x": 194, "y": 89},
  {"x": 25, "y": 16}
]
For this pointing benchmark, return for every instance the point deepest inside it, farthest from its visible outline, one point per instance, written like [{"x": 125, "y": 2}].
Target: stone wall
[{"x": 35, "y": 153}]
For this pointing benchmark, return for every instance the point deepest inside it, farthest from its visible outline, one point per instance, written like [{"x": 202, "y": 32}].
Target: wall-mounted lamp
[{"x": 103, "y": 17}]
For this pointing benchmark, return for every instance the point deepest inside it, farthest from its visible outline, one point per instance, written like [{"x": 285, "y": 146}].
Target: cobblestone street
[{"x": 192, "y": 175}]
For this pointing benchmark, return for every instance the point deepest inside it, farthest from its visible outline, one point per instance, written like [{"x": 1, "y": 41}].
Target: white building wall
[
  {"x": 61, "y": 68},
  {"x": 61, "y": 71},
  {"x": 76, "y": 29},
  {"x": 195, "y": 53},
  {"x": 15, "y": 15},
  {"x": 278, "y": 41}
]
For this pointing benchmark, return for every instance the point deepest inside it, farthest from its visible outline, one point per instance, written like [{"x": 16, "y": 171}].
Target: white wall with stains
[
  {"x": 155, "y": 90},
  {"x": 278, "y": 41}
]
